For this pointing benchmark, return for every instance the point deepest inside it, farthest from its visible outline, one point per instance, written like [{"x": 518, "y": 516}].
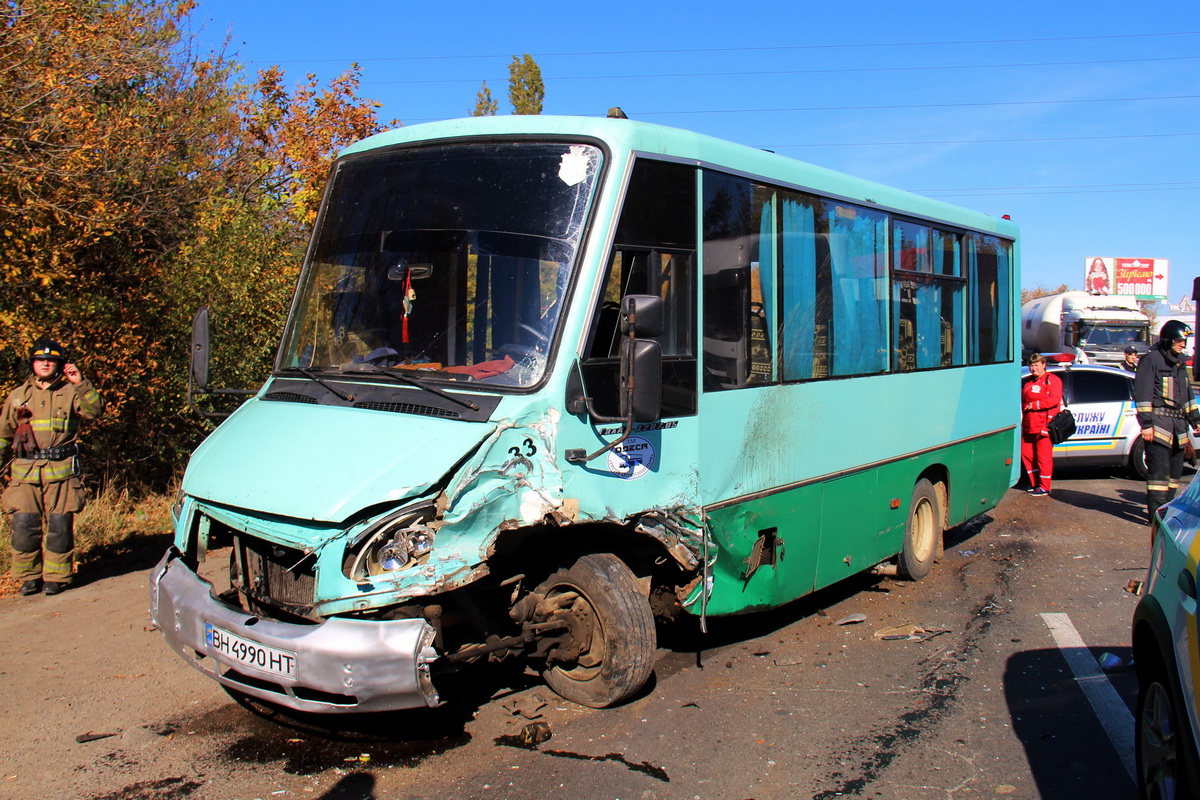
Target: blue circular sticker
[{"x": 632, "y": 458}]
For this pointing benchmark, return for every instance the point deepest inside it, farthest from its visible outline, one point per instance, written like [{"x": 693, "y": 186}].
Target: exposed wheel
[
  {"x": 922, "y": 534},
  {"x": 1163, "y": 742},
  {"x": 1137, "y": 459},
  {"x": 606, "y": 652}
]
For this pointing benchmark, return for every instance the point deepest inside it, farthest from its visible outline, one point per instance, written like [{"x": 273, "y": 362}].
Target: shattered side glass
[{"x": 451, "y": 261}]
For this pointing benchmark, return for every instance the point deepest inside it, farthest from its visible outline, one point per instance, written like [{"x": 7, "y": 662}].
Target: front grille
[
  {"x": 277, "y": 575},
  {"x": 289, "y": 397},
  {"x": 408, "y": 408}
]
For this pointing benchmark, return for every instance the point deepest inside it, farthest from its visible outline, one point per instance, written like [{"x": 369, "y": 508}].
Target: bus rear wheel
[
  {"x": 605, "y": 652},
  {"x": 922, "y": 534}
]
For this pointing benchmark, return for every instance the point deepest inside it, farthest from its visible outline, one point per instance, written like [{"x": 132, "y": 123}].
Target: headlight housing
[{"x": 398, "y": 542}]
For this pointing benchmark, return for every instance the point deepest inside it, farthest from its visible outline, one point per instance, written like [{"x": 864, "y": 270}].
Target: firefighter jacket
[
  {"x": 54, "y": 416},
  {"x": 1163, "y": 394},
  {"x": 1040, "y": 400}
]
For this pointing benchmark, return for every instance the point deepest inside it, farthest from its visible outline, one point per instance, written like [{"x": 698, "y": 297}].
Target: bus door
[
  {"x": 750, "y": 437},
  {"x": 653, "y": 253}
]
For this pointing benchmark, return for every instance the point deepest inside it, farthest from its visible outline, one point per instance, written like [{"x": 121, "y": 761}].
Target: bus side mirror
[
  {"x": 641, "y": 315},
  {"x": 640, "y": 373},
  {"x": 199, "y": 355},
  {"x": 641, "y": 380}
]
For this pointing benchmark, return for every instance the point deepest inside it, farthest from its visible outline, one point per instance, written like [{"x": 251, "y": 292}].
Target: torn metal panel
[
  {"x": 514, "y": 480},
  {"x": 685, "y": 539}
]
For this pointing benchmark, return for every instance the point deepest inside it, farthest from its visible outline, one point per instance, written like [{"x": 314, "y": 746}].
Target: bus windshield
[{"x": 449, "y": 260}]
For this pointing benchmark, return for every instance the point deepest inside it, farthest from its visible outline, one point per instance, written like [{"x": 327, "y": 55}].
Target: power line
[
  {"x": 893, "y": 107},
  {"x": 1179, "y": 184},
  {"x": 765, "y": 48},
  {"x": 831, "y": 71},
  {"x": 981, "y": 141},
  {"x": 919, "y": 105},
  {"x": 981, "y": 193}
]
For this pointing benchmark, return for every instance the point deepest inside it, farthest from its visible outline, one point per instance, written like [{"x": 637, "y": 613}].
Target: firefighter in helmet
[
  {"x": 38, "y": 427},
  {"x": 1165, "y": 411}
]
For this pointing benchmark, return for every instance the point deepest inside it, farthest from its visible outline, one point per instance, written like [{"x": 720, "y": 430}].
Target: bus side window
[
  {"x": 739, "y": 235},
  {"x": 653, "y": 253}
]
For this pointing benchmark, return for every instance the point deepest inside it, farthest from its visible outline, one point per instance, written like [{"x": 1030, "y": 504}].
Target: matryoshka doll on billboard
[{"x": 1097, "y": 277}]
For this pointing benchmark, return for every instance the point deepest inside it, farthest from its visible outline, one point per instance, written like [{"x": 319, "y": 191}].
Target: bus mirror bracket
[
  {"x": 640, "y": 374},
  {"x": 198, "y": 367}
]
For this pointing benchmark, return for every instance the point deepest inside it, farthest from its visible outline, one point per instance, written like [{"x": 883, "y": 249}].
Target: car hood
[{"x": 324, "y": 463}]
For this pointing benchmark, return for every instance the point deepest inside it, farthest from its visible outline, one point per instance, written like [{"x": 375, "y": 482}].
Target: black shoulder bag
[{"x": 1062, "y": 427}]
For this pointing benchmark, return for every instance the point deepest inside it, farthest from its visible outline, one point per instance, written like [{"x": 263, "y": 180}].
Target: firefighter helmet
[
  {"x": 1174, "y": 331},
  {"x": 49, "y": 350}
]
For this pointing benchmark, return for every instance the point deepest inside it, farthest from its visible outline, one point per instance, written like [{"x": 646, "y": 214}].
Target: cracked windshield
[{"x": 449, "y": 262}]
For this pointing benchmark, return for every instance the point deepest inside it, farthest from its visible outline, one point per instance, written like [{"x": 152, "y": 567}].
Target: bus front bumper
[{"x": 336, "y": 666}]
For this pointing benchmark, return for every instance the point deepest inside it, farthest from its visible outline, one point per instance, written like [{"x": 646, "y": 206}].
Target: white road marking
[{"x": 1110, "y": 709}]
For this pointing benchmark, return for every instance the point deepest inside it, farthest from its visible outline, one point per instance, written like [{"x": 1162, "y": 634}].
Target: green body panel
[{"x": 831, "y": 529}]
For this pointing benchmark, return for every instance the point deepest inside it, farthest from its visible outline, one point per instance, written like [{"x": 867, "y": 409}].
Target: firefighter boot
[
  {"x": 27, "y": 551},
  {"x": 60, "y": 547},
  {"x": 1154, "y": 500}
]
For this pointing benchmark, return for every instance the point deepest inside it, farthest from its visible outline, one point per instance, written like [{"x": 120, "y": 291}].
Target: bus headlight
[{"x": 395, "y": 543}]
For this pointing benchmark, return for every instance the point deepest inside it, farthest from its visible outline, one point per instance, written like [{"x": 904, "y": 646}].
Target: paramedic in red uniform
[{"x": 1041, "y": 396}]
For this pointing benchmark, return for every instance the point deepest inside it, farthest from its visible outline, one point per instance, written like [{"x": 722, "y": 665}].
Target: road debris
[
  {"x": 852, "y": 619},
  {"x": 528, "y": 706},
  {"x": 1113, "y": 663},
  {"x": 535, "y": 733},
  {"x": 909, "y": 632}
]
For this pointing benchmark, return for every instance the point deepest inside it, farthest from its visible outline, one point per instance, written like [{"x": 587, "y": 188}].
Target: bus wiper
[
  {"x": 411, "y": 381},
  {"x": 349, "y": 398}
]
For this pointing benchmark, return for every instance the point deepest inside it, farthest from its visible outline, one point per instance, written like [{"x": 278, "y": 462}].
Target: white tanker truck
[{"x": 1100, "y": 325}]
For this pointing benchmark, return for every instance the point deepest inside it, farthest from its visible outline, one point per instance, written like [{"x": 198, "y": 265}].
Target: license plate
[{"x": 250, "y": 653}]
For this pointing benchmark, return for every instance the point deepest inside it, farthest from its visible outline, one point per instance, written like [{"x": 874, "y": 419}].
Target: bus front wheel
[
  {"x": 922, "y": 534},
  {"x": 604, "y": 653}
]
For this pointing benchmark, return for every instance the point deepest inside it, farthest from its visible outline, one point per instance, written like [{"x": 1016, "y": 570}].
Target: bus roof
[{"x": 676, "y": 143}]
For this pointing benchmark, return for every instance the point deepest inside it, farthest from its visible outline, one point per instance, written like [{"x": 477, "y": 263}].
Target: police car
[
  {"x": 1106, "y": 426},
  {"x": 1166, "y": 655}
]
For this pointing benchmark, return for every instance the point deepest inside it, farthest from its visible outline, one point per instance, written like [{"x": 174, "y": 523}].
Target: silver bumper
[{"x": 342, "y": 665}]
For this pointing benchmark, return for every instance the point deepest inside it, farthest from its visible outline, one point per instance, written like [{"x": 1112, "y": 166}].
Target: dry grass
[{"x": 113, "y": 522}]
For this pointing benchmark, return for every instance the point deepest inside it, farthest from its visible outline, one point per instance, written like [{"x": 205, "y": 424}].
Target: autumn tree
[
  {"x": 112, "y": 137},
  {"x": 525, "y": 89},
  {"x": 246, "y": 253},
  {"x": 1041, "y": 291},
  {"x": 138, "y": 179},
  {"x": 299, "y": 134},
  {"x": 485, "y": 106}
]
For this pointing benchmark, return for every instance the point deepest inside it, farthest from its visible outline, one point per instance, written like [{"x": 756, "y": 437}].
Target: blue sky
[{"x": 1079, "y": 120}]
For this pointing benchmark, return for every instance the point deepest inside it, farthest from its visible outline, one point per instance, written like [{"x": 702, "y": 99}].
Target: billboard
[{"x": 1143, "y": 278}]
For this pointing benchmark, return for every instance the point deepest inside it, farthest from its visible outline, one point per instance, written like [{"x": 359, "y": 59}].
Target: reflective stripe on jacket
[
  {"x": 57, "y": 412},
  {"x": 1162, "y": 392}
]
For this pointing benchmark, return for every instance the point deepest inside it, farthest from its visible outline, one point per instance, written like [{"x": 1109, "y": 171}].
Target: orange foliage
[
  {"x": 300, "y": 134},
  {"x": 137, "y": 180}
]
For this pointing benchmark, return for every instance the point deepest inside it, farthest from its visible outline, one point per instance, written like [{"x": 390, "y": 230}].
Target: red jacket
[{"x": 1040, "y": 401}]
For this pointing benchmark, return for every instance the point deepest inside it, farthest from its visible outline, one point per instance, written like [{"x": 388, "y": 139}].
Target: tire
[
  {"x": 1164, "y": 748},
  {"x": 607, "y": 653},
  {"x": 1137, "y": 459},
  {"x": 922, "y": 533}
]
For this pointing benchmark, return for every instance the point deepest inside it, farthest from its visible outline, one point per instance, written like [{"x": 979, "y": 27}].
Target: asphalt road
[{"x": 982, "y": 701}]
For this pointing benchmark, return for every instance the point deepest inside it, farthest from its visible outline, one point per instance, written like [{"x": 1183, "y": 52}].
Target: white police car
[
  {"x": 1106, "y": 426},
  {"x": 1166, "y": 655}
]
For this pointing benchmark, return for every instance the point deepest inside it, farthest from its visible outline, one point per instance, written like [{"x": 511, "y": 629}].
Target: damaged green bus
[{"x": 548, "y": 383}]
